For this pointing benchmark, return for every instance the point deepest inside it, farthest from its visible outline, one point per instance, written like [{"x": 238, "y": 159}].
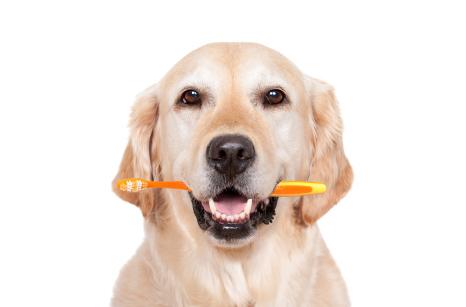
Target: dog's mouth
[{"x": 231, "y": 215}]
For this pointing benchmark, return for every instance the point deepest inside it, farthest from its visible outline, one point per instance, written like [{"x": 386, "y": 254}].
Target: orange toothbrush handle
[
  {"x": 298, "y": 188},
  {"x": 178, "y": 185}
]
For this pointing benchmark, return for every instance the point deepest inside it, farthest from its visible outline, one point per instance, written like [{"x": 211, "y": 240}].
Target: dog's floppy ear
[
  {"x": 329, "y": 164},
  {"x": 139, "y": 155}
]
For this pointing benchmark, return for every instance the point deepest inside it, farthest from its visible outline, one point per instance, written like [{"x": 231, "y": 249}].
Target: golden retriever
[{"x": 232, "y": 120}]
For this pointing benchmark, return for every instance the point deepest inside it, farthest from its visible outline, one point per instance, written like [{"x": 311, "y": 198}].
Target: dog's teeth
[
  {"x": 247, "y": 209},
  {"x": 212, "y": 206},
  {"x": 233, "y": 218},
  {"x": 266, "y": 201}
]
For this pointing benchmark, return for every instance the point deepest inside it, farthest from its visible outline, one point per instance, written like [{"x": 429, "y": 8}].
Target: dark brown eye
[
  {"x": 190, "y": 97},
  {"x": 274, "y": 97}
]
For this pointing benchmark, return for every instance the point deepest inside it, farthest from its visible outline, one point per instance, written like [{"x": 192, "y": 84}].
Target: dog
[{"x": 232, "y": 120}]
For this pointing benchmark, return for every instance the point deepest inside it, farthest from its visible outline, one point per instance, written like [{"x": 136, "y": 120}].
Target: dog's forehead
[{"x": 219, "y": 66}]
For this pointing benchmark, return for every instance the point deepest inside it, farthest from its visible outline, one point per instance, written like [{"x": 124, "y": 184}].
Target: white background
[{"x": 69, "y": 72}]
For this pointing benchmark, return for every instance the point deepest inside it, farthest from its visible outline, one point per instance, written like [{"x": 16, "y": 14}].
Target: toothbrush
[{"x": 283, "y": 188}]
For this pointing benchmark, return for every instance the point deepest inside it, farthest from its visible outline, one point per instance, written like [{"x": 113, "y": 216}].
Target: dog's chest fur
[{"x": 276, "y": 275}]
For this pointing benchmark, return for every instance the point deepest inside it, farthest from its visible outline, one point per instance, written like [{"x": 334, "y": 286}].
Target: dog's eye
[
  {"x": 190, "y": 97},
  {"x": 274, "y": 97}
]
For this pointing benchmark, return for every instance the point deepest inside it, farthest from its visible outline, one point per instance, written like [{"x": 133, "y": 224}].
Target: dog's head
[{"x": 232, "y": 120}]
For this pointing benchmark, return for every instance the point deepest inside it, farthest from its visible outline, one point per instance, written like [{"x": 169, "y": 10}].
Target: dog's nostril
[
  {"x": 230, "y": 154},
  {"x": 221, "y": 155},
  {"x": 241, "y": 155},
  {"x": 244, "y": 154}
]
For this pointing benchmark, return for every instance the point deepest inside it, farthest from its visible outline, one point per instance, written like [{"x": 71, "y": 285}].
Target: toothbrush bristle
[{"x": 132, "y": 185}]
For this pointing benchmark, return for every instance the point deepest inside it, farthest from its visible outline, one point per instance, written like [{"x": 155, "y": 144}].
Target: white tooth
[
  {"x": 218, "y": 215},
  {"x": 236, "y": 218},
  {"x": 212, "y": 206},
  {"x": 242, "y": 215},
  {"x": 247, "y": 209},
  {"x": 266, "y": 201},
  {"x": 230, "y": 218},
  {"x": 224, "y": 217}
]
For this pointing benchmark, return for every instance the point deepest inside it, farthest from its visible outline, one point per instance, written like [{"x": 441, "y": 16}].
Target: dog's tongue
[{"x": 230, "y": 204}]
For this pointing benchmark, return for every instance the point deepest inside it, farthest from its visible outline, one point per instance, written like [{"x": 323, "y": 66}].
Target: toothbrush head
[{"x": 132, "y": 184}]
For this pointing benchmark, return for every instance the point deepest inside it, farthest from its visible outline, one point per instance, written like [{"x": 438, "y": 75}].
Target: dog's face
[{"x": 233, "y": 120}]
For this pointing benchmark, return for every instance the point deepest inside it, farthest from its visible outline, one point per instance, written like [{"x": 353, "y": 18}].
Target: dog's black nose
[{"x": 230, "y": 154}]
